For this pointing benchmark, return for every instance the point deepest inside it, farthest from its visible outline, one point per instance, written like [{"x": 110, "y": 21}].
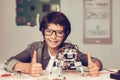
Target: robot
[{"x": 67, "y": 59}]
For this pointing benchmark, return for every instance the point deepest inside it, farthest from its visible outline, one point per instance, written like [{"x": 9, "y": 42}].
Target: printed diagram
[
  {"x": 96, "y": 14},
  {"x": 97, "y": 21}
]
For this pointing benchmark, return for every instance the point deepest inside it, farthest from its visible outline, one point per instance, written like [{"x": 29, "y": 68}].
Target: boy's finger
[
  {"x": 89, "y": 58},
  {"x": 34, "y": 59}
]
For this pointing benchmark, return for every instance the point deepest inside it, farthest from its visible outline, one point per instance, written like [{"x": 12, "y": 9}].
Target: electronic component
[
  {"x": 6, "y": 75},
  {"x": 115, "y": 75},
  {"x": 67, "y": 59},
  {"x": 27, "y": 10}
]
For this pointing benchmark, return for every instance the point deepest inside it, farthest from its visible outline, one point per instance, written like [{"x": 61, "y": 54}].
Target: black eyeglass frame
[{"x": 57, "y": 32}]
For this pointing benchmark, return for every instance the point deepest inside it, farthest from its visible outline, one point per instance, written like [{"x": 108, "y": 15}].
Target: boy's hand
[
  {"x": 92, "y": 67},
  {"x": 35, "y": 68}
]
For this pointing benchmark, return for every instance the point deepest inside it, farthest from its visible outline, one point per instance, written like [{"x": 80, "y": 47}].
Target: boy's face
[{"x": 54, "y": 35}]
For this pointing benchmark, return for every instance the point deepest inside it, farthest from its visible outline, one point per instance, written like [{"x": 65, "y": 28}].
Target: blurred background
[{"x": 14, "y": 39}]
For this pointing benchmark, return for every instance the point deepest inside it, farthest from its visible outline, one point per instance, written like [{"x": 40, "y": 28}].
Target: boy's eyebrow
[{"x": 55, "y": 30}]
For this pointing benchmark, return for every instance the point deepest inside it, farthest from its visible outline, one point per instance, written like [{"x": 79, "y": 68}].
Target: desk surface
[{"x": 105, "y": 75}]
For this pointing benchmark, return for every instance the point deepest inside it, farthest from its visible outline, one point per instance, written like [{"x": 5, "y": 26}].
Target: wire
[{"x": 108, "y": 71}]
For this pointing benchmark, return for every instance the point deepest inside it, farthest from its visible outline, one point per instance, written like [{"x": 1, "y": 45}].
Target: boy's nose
[{"x": 53, "y": 34}]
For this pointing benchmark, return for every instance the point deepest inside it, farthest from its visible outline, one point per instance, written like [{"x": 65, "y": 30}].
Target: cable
[{"x": 108, "y": 70}]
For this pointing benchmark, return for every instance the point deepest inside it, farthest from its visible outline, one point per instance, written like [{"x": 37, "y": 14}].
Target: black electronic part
[
  {"x": 46, "y": 8},
  {"x": 115, "y": 75},
  {"x": 32, "y": 8}
]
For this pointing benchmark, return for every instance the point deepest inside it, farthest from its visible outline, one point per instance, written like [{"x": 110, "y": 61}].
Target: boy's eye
[
  {"x": 60, "y": 32},
  {"x": 49, "y": 31}
]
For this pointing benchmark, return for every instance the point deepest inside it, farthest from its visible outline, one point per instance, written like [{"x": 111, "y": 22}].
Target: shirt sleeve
[
  {"x": 9, "y": 66},
  {"x": 21, "y": 57},
  {"x": 24, "y": 56},
  {"x": 83, "y": 58}
]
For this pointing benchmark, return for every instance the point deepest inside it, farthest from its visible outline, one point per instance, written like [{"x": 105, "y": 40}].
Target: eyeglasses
[{"x": 58, "y": 33}]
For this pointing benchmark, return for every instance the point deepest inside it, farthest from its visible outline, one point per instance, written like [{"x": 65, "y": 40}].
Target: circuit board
[{"x": 30, "y": 12}]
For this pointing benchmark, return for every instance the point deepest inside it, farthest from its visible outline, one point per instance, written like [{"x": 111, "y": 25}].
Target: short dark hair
[{"x": 56, "y": 18}]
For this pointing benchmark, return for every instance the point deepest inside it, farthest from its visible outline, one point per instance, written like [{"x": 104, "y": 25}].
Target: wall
[{"x": 14, "y": 39}]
